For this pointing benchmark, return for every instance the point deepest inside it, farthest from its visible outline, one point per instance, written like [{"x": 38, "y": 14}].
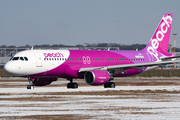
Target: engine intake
[{"x": 97, "y": 77}]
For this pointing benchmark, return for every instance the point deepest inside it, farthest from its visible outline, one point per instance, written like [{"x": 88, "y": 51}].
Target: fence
[
  {"x": 161, "y": 73},
  {"x": 152, "y": 73},
  {"x": 4, "y": 74}
]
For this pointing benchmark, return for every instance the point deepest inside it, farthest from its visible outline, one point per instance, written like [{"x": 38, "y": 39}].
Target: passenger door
[{"x": 38, "y": 60}]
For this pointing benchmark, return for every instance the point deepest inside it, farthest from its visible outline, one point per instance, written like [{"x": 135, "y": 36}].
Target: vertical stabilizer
[{"x": 160, "y": 40}]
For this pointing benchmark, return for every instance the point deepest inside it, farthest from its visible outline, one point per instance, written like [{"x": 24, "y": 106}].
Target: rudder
[{"x": 160, "y": 40}]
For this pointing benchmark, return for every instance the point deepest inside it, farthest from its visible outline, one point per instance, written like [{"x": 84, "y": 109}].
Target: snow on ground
[
  {"x": 128, "y": 105},
  {"x": 161, "y": 101},
  {"x": 86, "y": 89}
]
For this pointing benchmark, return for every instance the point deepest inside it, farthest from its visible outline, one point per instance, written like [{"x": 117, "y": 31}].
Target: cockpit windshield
[
  {"x": 19, "y": 58},
  {"x": 15, "y": 58},
  {"x": 26, "y": 58}
]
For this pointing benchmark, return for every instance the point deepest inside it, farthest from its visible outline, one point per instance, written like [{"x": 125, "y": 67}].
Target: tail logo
[{"x": 159, "y": 35}]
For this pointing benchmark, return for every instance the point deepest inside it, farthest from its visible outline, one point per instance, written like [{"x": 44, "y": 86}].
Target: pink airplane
[{"x": 96, "y": 67}]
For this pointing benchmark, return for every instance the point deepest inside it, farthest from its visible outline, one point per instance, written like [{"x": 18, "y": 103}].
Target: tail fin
[{"x": 160, "y": 40}]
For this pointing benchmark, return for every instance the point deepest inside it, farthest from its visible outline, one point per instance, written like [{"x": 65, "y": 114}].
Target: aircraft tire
[
  {"x": 105, "y": 85},
  {"x": 29, "y": 87},
  {"x": 72, "y": 85},
  {"x": 69, "y": 85},
  {"x": 75, "y": 85},
  {"x": 112, "y": 85},
  {"x": 109, "y": 85}
]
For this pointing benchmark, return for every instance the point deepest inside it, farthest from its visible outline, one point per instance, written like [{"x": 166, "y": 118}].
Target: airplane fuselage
[{"x": 66, "y": 63}]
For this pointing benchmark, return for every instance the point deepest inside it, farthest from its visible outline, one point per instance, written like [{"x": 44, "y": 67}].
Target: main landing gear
[
  {"x": 109, "y": 85},
  {"x": 72, "y": 84}
]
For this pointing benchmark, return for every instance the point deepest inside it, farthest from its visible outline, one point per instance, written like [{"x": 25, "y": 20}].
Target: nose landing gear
[{"x": 30, "y": 87}]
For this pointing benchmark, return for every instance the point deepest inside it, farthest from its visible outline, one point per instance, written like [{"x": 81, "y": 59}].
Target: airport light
[
  {"x": 174, "y": 47},
  {"x": 85, "y": 45},
  {"x": 27, "y": 46}
]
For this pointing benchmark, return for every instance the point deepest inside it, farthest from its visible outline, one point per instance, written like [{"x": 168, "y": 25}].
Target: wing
[{"x": 138, "y": 66}]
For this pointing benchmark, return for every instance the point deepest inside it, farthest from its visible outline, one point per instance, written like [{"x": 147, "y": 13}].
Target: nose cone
[{"x": 8, "y": 68}]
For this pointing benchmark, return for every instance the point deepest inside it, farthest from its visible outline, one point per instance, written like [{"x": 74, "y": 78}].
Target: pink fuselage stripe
[{"x": 87, "y": 58}]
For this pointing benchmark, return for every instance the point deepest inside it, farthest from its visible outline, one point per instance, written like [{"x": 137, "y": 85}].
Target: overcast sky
[{"x": 73, "y": 22}]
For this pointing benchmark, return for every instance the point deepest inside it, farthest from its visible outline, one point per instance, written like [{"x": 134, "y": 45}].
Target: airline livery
[{"x": 96, "y": 67}]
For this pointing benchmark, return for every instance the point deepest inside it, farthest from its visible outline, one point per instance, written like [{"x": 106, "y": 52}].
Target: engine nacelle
[
  {"x": 97, "y": 77},
  {"x": 41, "y": 81}
]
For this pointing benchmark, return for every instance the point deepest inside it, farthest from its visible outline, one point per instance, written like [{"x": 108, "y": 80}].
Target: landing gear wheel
[
  {"x": 109, "y": 85},
  {"x": 69, "y": 85},
  {"x": 112, "y": 85},
  {"x": 29, "y": 87},
  {"x": 72, "y": 85},
  {"x": 75, "y": 85},
  {"x": 105, "y": 85}
]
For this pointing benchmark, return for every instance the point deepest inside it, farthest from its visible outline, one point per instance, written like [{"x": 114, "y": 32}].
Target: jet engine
[
  {"x": 41, "y": 81},
  {"x": 97, "y": 77}
]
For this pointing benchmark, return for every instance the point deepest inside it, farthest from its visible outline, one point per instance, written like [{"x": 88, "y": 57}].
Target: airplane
[{"x": 96, "y": 67}]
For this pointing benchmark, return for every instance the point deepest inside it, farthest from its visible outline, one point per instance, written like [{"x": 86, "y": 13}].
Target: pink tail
[{"x": 160, "y": 39}]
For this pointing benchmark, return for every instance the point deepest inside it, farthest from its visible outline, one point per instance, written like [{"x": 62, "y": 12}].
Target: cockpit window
[
  {"x": 26, "y": 58},
  {"x": 21, "y": 58},
  {"x": 15, "y": 58}
]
